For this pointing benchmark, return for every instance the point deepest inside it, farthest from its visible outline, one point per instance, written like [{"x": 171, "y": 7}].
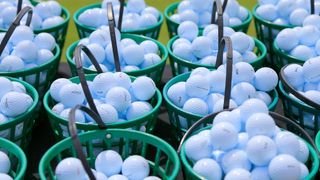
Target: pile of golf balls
[
  {"x": 203, "y": 92},
  {"x": 132, "y": 56},
  {"x": 108, "y": 165},
  {"x": 200, "y": 12},
  {"x": 306, "y": 80},
  {"x": 301, "y": 42},
  {"x": 117, "y": 98},
  {"x": 45, "y": 14},
  {"x": 136, "y": 15},
  {"x": 14, "y": 99},
  {"x": 247, "y": 144},
  {"x": 285, "y": 12},
  {"x": 5, "y": 166},
  {"x": 203, "y": 49},
  {"x": 26, "y": 50}
]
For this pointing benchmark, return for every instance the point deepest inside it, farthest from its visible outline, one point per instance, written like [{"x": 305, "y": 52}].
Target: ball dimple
[
  {"x": 196, "y": 106},
  {"x": 107, "y": 113},
  {"x": 13, "y": 104},
  {"x": 56, "y": 87},
  {"x": 188, "y": 30},
  {"x": 197, "y": 148},
  {"x": 260, "y": 79},
  {"x": 138, "y": 109},
  {"x": 119, "y": 98},
  {"x": 238, "y": 174},
  {"x": 133, "y": 54},
  {"x": 135, "y": 167},
  {"x": 287, "y": 39},
  {"x": 6, "y": 86},
  {"x": 235, "y": 159},
  {"x": 177, "y": 94},
  {"x": 45, "y": 41},
  {"x": 70, "y": 168},
  {"x": 223, "y": 131},
  {"x": 311, "y": 71},
  {"x": 287, "y": 143},
  {"x": 108, "y": 162},
  {"x": 197, "y": 86},
  {"x": 143, "y": 88},
  {"x": 261, "y": 150},
  {"x": 208, "y": 169},
  {"x": 284, "y": 166},
  {"x": 71, "y": 91},
  {"x": 260, "y": 124}
]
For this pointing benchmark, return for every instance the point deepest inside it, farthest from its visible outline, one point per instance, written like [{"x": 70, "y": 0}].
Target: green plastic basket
[
  {"x": 59, "y": 32},
  {"x": 164, "y": 164},
  {"x": 19, "y": 129},
  {"x": 17, "y": 158},
  {"x": 313, "y": 164},
  {"x": 59, "y": 124},
  {"x": 176, "y": 114},
  {"x": 180, "y": 66},
  {"x": 266, "y": 32},
  {"x": 39, "y": 77},
  {"x": 281, "y": 58},
  {"x": 300, "y": 112},
  {"x": 84, "y": 31},
  {"x": 155, "y": 72},
  {"x": 173, "y": 26}
]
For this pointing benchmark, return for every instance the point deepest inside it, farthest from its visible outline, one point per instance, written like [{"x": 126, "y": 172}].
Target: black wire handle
[
  {"x": 19, "y": 6},
  {"x": 83, "y": 81},
  {"x": 291, "y": 90},
  {"x": 274, "y": 115},
  {"x": 14, "y": 25},
  {"x": 75, "y": 139},
  {"x": 227, "y": 93},
  {"x": 227, "y": 96},
  {"x": 120, "y": 15},
  {"x": 113, "y": 36},
  {"x": 312, "y": 9},
  {"x": 219, "y": 9}
]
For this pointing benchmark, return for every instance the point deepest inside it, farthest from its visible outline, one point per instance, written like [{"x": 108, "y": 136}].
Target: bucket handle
[
  {"x": 83, "y": 81},
  {"x": 14, "y": 25},
  {"x": 112, "y": 23},
  {"x": 75, "y": 139}
]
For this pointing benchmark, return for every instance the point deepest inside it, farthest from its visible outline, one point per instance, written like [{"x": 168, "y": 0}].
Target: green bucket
[
  {"x": 173, "y": 26},
  {"x": 165, "y": 163},
  {"x": 19, "y": 129},
  {"x": 176, "y": 114},
  {"x": 180, "y": 66},
  {"x": 300, "y": 112},
  {"x": 60, "y": 125},
  {"x": 312, "y": 164},
  {"x": 17, "y": 158},
  {"x": 155, "y": 72},
  {"x": 266, "y": 32},
  {"x": 281, "y": 58},
  {"x": 84, "y": 31},
  {"x": 59, "y": 32},
  {"x": 40, "y": 77}
]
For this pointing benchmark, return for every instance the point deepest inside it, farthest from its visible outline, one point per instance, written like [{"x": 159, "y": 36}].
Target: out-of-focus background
[{"x": 74, "y": 5}]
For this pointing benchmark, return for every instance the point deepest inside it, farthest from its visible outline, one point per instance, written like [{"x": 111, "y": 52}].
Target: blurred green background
[{"x": 74, "y": 5}]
